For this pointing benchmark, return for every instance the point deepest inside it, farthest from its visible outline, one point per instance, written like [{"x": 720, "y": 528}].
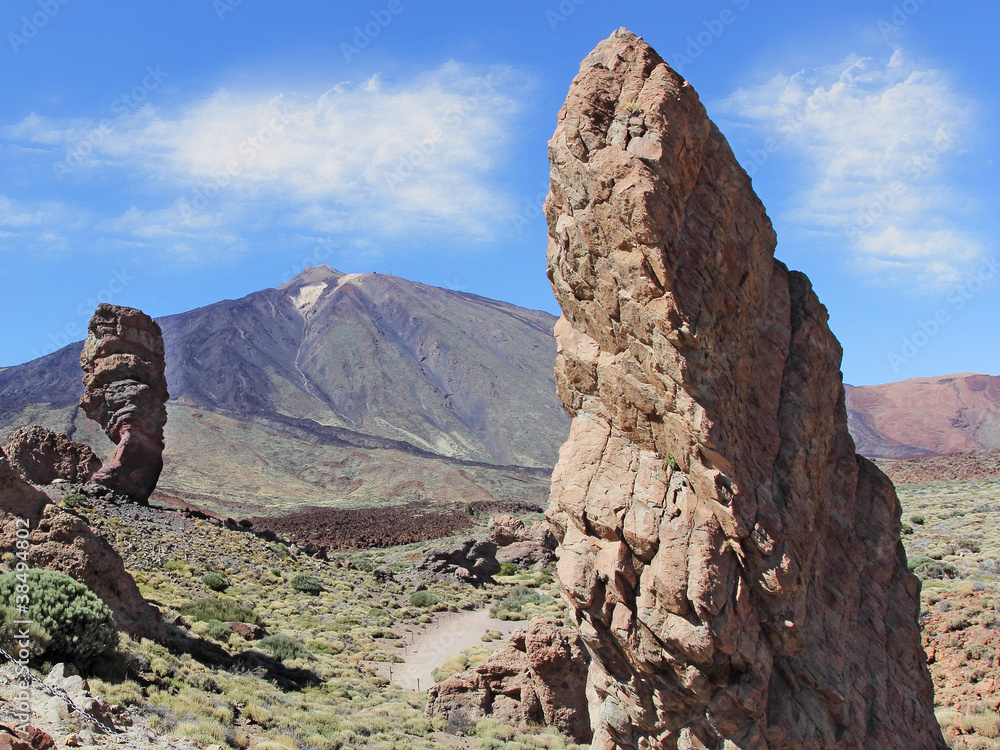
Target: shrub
[
  {"x": 508, "y": 569},
  {"x": 423, "y": 599},
  {"x": 307, "y": 583},
  {"x": 285, "y": 647},
  {"x": 79, "y": 624},
  {"x": 219, "y": 631},
  {"x": 38, "y": 639},
  {"x": 917, "y": 520},
  {"x": 76, "y": 500},
  {"x": 220, "y": 608},
  {"x": 970, "y": 544},
  {"x": 926, "y": 568},
  {"x": 215, "y": 581},
  {"x": 511, "y": 606},
  {"x": 173, "y": 565}
]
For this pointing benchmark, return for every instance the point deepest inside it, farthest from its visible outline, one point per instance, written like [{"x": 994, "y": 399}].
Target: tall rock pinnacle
[
  {"x": 735, "y": 569},
  {"x": 126, "y": 393}
]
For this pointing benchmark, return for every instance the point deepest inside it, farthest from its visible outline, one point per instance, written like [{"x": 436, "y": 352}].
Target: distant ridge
[{"x": 926, "y": 416}]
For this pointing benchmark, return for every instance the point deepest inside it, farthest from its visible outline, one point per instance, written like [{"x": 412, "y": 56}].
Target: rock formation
[
  {"x": 734, "y": 568},
  {"x": 472, "y": 561},
  {"x": 43, "y": 456},
  {"x": 538, "y": 677},
  {"x": 63, "y": 541},
  {"x": 506, "y": 529},
  {"x": 518, "y": 545},
  {"x": 123, "y": 372}
]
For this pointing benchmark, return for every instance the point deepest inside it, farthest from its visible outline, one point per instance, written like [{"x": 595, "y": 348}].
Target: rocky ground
[
  {"x": 287, "y": 665},
  {"x": 956, "y": 467},
  {"x": 359, "y": 528}
]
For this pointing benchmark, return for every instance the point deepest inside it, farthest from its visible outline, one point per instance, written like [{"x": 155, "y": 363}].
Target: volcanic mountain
[
  {"x": 336, "y": 389},
  {"x": 923, "y": 416}
]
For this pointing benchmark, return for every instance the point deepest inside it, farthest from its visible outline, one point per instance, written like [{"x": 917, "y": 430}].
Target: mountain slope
[
  {"x": 920, "y": 416},
  {"x": 336, "y": 389},
  {"x": 451, "y": 373}
]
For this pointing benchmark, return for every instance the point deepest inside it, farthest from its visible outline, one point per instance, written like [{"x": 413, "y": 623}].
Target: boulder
[
  {"x": 538, "y": 677},
  {"x": 77, "y": 689},
  {"x": 542, "y": 532},
  {"x": 43, "y": 456},
  {"x": 61, "y": 540},
  {"x": 528, "y": 554},
  {"x": 247, "y": 631},
  {"x": 383, "y": 574},
  {"x": 472, "y": 561},
  {"x": 126, "y": 393},
  {"x": 31, "y": 739},
  {"x": 734, "y": 567},
  {"x": 504, "y": 530}
]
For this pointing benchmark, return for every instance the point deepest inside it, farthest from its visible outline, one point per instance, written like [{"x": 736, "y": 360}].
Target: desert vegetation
[
  {"x": 319, "y": 676},
  {"x": 949, "y": 530}
]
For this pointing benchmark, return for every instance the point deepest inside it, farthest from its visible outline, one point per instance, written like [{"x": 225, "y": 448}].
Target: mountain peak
[{"x": 313, "y": 275}]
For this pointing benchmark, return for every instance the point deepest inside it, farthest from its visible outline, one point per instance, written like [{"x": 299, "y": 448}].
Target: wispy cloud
[
  {"x": 878, "y": 142},
  {"x": 380, "y": 157}
]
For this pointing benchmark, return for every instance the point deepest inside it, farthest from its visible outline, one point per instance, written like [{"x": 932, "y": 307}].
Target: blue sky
[{"x": 171, "y": 153}]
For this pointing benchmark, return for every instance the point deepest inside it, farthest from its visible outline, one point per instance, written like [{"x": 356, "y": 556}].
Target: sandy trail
[{"x": 448, "y": 636}]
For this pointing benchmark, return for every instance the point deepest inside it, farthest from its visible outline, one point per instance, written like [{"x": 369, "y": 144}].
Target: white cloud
[
  {"x": 377, "y": 157},
  {"x": 877, "y": 140}
]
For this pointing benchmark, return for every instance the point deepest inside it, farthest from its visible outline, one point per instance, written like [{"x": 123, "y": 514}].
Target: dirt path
[{"x": 446, "y": 637}]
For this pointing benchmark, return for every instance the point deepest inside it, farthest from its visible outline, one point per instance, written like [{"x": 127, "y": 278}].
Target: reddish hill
[{"x": 920, "y": 416}]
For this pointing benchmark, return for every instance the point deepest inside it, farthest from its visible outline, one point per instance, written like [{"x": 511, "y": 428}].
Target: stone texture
[
  {"x": 505, "y": 529},
  {"x": 472, "y": 561},
  {"x": 43, "y": 456},
  {"x": 538, "y": 677},
  {"x": 61, "y": 540},
  {"x": 78, "y": 690},
  {"x": 126, "y": 393},
  {"x": 247, "y": 631},
  {"x": 734, "y": 567},
  {"x": 527, "y": 554}
]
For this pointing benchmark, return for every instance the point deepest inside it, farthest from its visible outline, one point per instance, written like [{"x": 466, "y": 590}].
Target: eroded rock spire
[
  {"x": 126, "y": 393},
  {"x": 735, "y": 569}
]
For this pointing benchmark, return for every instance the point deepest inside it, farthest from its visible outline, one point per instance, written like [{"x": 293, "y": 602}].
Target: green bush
[
  {"x": 917, "y": 520},
  {"x": 285, "y": 647},
  {"x": 423, "y": 599},
  {"x": 76, "y": 500},
  {"x": 219, "y": 631},
  {"x": 38, "y": 639},
  {"x": 307, "y": 583},
  {"x": 511, "y": 606},
  {"x": 220, "y": 608},
  {"x": 508, "y": 569},
  {"x": 926, "y": 568},
  {"x": 173, "y": 565},
  {"x": 215, "y": 581},
  {"x": 80, "y": 626}
]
